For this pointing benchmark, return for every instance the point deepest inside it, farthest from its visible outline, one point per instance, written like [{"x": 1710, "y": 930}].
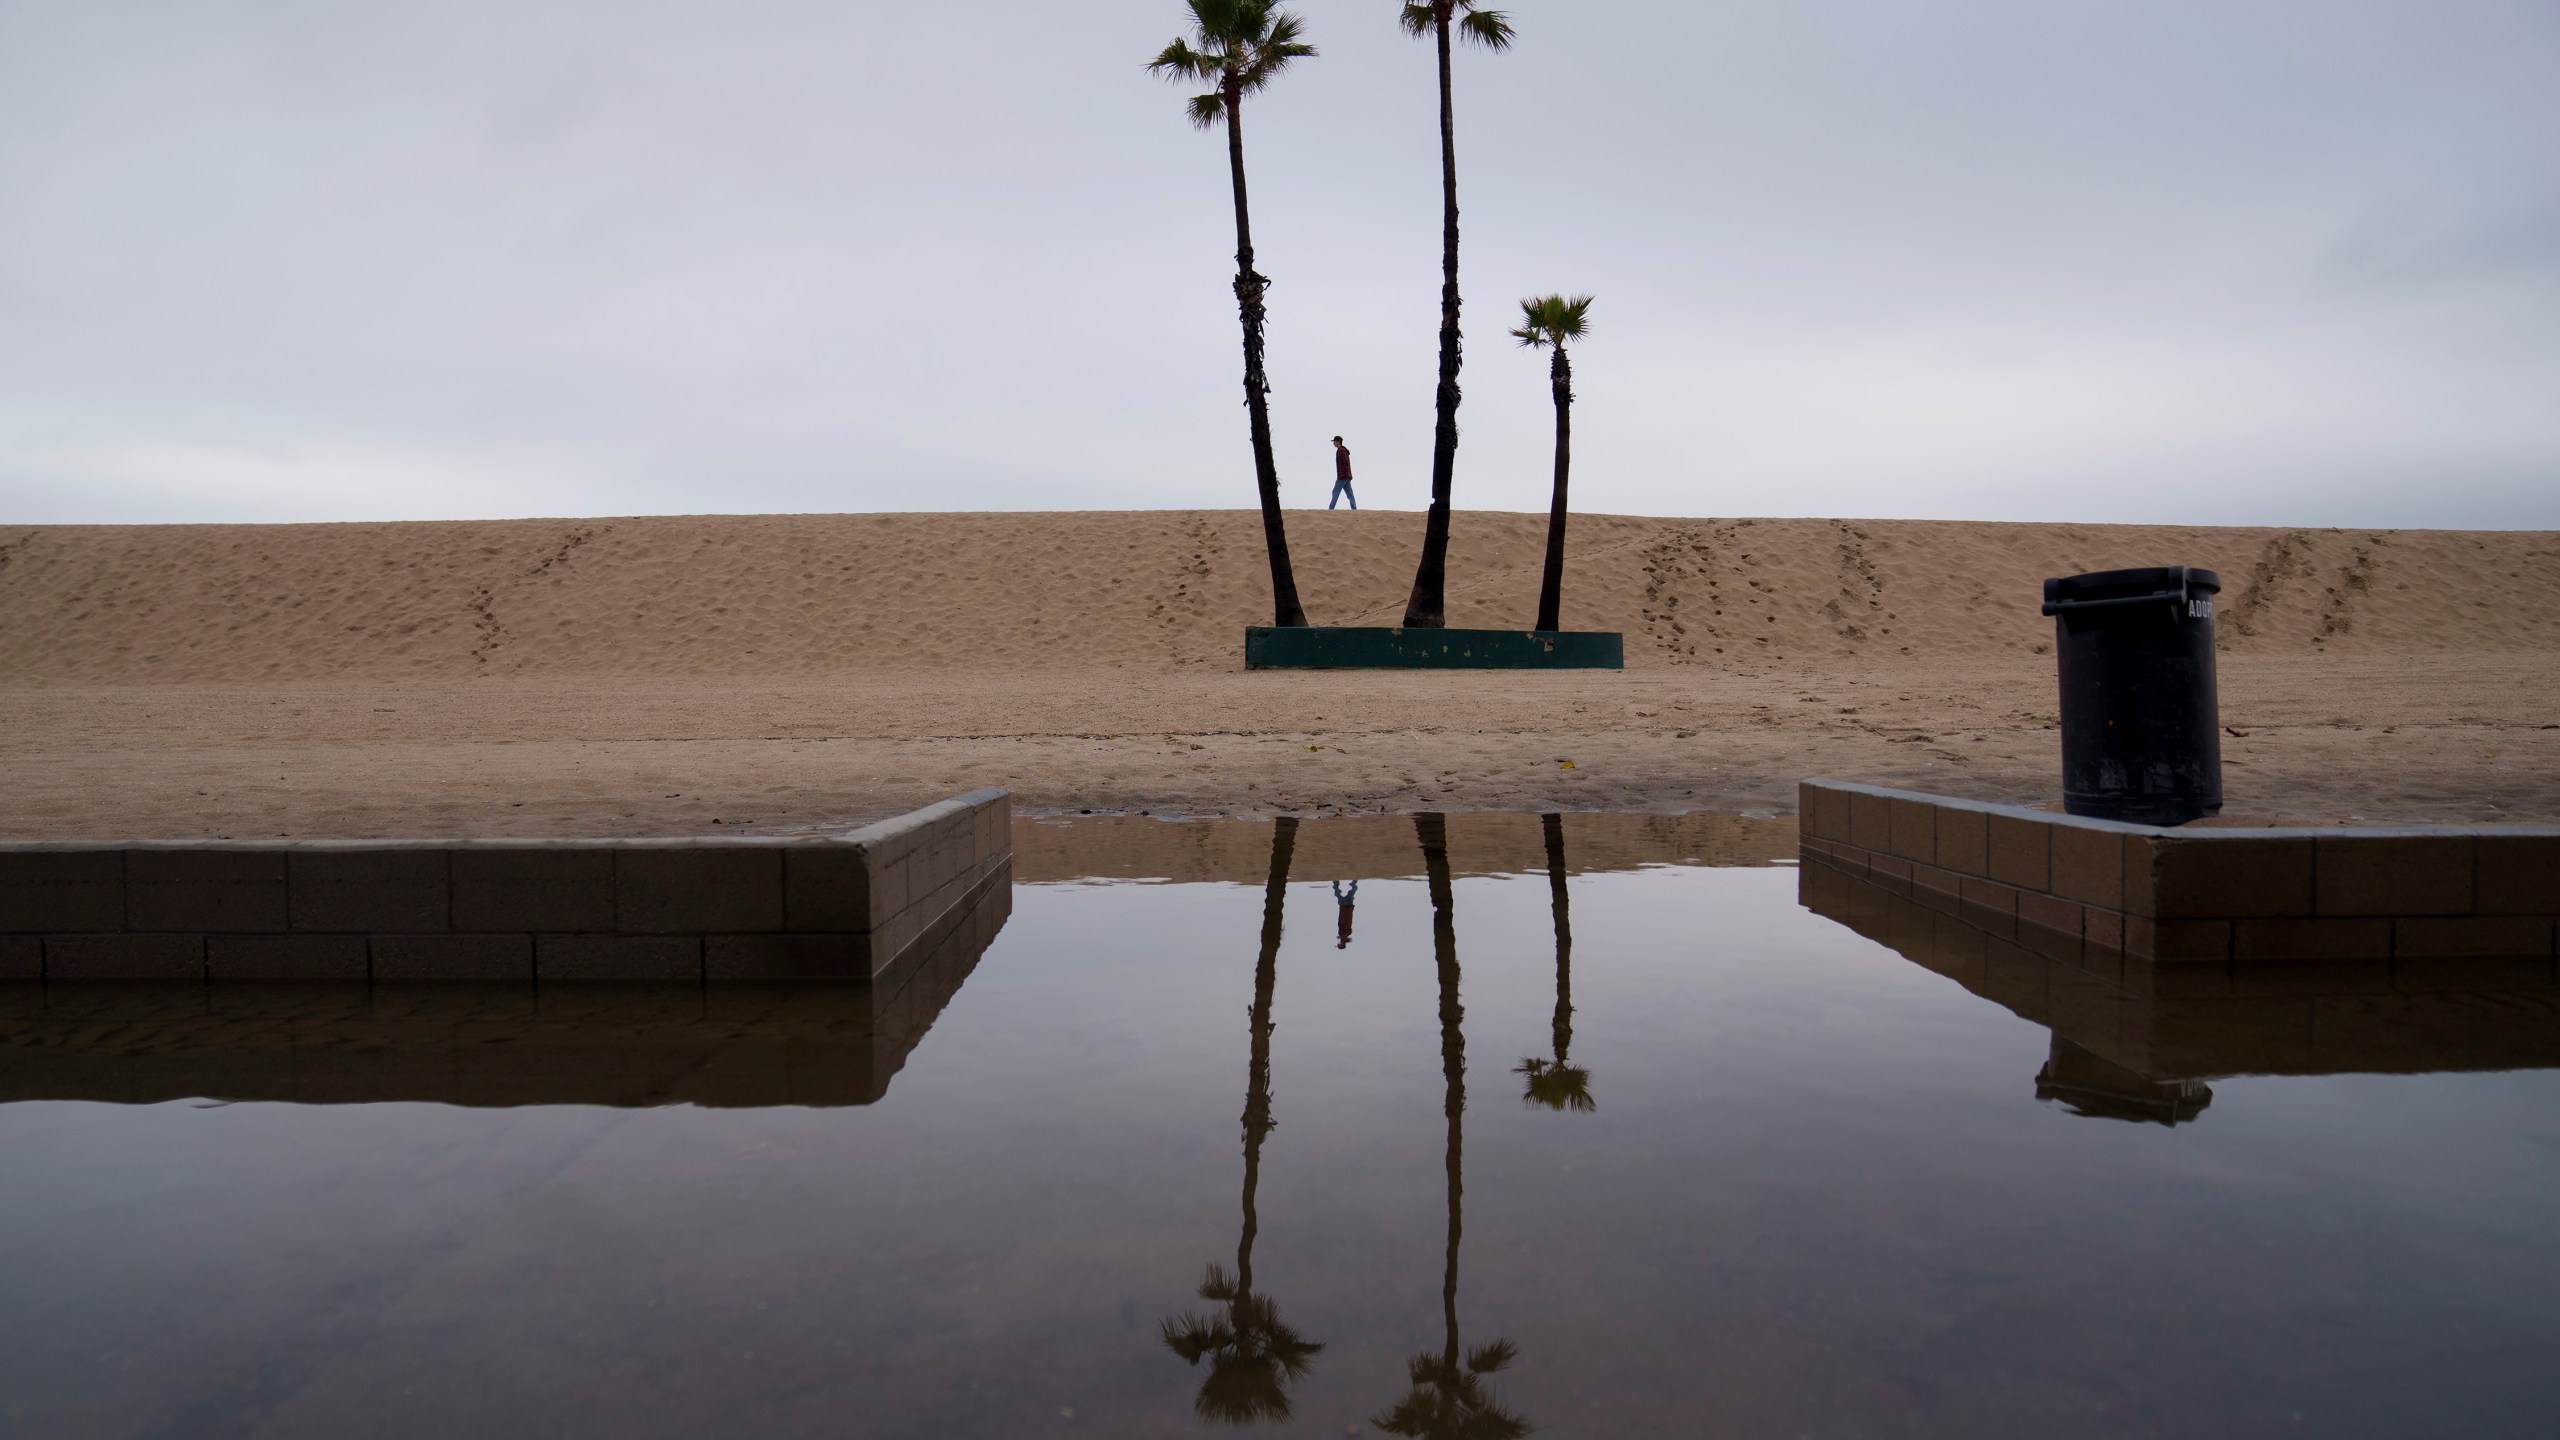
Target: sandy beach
[{"x": 670, "y": 675}]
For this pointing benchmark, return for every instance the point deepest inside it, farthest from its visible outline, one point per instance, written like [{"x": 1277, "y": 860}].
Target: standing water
[{"x": 1402, "y": 1127}]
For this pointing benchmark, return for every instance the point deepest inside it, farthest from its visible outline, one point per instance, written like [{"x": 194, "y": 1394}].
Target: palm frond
[
  {"x": 1296, "y": 1356},
  {"x": 1553, "y": 319},
  {"x": 1238, "y": 44},
  {"x": 1207, "y": 112},
  {"x": 1249, "y": 1379},
  {"x": 1416, "y": 20},
  {"x": 1219, "y": 19},
  {"x": 1453, "y": 1402},
  {"x": 1253, "y": 1356},
  {"x": 1192, "y": 1336},
  {"x": 1277, "y": 41},
  {"x": 1488, "y": 28},
  {"x": 1554, "y": 1085},
  {"x": 1217, "y": 1284},
  {"x": 1178, "y": 61},
  {"x": 1268, "y": 62},
  {"x": 1241, "y": 1393}
]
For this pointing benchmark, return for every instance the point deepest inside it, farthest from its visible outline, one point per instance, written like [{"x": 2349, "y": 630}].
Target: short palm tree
[
  {"x": 1440, "y": 19},
  {"x": 1238, "y": 47},
  {"x": 1254, "y": 1356},
  {"x": 1558, "y": 1084},
  {"x": 1555, "y": 322}
]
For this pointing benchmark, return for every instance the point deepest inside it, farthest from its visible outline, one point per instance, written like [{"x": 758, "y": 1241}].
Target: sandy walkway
[{"x": 446, "y": 680}]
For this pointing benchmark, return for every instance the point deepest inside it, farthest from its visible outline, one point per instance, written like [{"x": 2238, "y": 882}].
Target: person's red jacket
[{"x": 1341, "y": 462}]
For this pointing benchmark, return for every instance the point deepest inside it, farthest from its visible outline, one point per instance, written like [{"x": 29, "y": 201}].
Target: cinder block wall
[
  {"x": 734, "y": 908},
  {"x": 625, "y": 1045},
  {"x": 2202, "y": 1021},
  {"x": 2201, "y": 895}
]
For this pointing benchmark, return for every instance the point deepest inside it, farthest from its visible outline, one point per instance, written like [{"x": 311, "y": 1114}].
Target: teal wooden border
[{"x": 1379, "y": 647}]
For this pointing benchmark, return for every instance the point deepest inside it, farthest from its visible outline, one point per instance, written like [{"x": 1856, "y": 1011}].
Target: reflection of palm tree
[
  {"x": 1254, "y": 1357},
  {"x": 1559, "y": 1084},
  {"x": 1451, "y": 1398}
]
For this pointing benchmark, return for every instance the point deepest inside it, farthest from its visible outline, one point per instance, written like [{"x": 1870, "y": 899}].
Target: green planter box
[{"x": 1380, "y": 647}]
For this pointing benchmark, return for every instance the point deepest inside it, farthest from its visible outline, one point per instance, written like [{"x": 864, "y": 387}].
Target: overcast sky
[{"x": 2262, "y": 261}]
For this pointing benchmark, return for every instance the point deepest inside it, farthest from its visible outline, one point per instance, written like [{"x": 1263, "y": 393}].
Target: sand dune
[
  {"x": 817, "y": 596},
  {"x": 668, "y": 675}
]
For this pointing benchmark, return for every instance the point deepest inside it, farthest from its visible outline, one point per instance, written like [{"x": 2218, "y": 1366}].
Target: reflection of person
[
  {"x": 1346, "y": 899},
  {"x": 1342, "y": 476}
]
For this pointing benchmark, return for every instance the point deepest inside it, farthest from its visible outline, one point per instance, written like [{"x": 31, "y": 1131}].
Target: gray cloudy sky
[{"x": 2209, "y": 260}]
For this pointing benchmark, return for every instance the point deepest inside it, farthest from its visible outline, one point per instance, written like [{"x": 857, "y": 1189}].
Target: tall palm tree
[
  {"x": 1241, "y": 46},
  {"x": 1449, "y": 1397},
  {"x": 1254, "y": 1357},
  {"x": 1555, "y": 322},
  {"x": 1558, "y": 1084},
  {"x": 1492, "y": 30}
]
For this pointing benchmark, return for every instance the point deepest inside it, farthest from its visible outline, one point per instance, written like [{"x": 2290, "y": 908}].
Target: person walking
[
  {"x": 1345, "y": 899},
  {"x": 1342, "y": 476}
]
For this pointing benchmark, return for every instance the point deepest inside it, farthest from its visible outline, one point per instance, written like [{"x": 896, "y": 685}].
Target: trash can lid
[{"x": 2167, "y": 581}]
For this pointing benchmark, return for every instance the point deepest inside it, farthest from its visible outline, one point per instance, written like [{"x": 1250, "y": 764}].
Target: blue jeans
[{"x": 1341, "y": 492}]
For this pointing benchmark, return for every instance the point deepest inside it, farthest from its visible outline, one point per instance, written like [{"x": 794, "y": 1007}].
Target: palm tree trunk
[
  {"x": 1431, "y": 579},
  {"x": 1285, "y": 608},
  {"x": 1433, "y": 832},
  {"x": 1257, "y": 1100},
  {"x": 1563, "y": 912},
  {"x": 1551, "y": 586}
]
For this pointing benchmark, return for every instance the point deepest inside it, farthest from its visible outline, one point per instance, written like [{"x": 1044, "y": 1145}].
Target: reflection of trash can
[{"x": 2141, "y": 726}]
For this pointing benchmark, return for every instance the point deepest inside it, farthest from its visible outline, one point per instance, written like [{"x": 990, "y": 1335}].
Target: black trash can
[{"x": 2141, "y": 727}]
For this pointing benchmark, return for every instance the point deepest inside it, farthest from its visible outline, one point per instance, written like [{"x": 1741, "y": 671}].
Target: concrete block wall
[
  {"x": 840, "y": 907},
  {"x": 625, "y": 1045},
  {"x": 2201, "y": 895},
  {"x": 2200, "y": 1022}
]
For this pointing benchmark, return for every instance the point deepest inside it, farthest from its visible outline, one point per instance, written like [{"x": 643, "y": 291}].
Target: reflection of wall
[
  {"x": 2176, "y": 1022},
  {"x": 1362, "y": 847},
  {"x": 2095, "y": 1086},
  {"x": 2203, "y": 894},
  {"x": 628, "y": 1045},
  {"x": 744, "y": 908}
]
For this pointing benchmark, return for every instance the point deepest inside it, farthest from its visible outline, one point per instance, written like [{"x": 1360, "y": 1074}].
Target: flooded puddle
[{"x": 1348, "y": 1128}]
